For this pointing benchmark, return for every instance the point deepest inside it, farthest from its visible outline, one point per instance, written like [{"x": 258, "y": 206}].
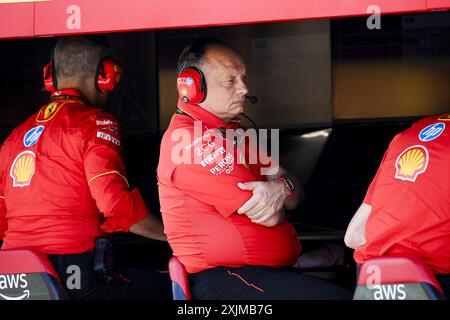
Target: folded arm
[{"x": 355, "y": 236}]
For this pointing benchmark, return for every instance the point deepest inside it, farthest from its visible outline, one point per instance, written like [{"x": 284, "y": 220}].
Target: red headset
[
  {"x": 191, "y": 83},
  {"x": 107, "y": 76}
]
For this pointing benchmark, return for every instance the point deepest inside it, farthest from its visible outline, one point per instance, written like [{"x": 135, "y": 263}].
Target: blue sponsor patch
[
  {"x": 432, "y": 131},
  {"x": 189, "y": 81},
  {"x": 32, "y": 136}
]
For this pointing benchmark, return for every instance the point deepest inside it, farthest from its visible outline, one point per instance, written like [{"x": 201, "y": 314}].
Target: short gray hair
[{"x": 193, "y": 54}]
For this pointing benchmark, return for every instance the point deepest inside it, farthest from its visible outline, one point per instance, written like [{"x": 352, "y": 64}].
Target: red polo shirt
[
  {"x": 197, "y": 178},
  {"x": 410, "y": 197},
  {"x": 62, "y": 180}
]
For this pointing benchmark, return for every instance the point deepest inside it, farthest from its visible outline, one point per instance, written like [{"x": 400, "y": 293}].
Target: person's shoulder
[
  {"x": 181, "y": 121},
  {"x": 84, "y": 110},
  {"x": 20, "y": 129},
  {"x": 85, "y": 115},
  {"x": 433, "y": 119},
  {"x": 179, "y": 125},
  {"x": 422, "y": 127},
  {"x": 423, "y": 123},
  {"x": 444, "y": 117}
]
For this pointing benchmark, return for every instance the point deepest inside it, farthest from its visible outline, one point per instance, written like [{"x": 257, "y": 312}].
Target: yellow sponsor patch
[
  {"x": 49, "y": 111},
  {"x": 22, "y": 169},
  {"x": 411, "y": 162}
]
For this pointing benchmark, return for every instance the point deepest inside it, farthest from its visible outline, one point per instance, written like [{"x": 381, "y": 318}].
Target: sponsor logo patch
[
  {"x": 431, "y": 132},
  {"x": 32, "y": 136},
  {"x": 106, "y": 122},
  {"x": 196, "y": 141},
  {"x": 108, "y": 125},
  {"x": 189, "y": 81},
  {"x": 412, "y": 162},
  {"x": 211, "y": 157},
  {"x": 22, "y": 169},
  {"x": 225, "y": 165},
  {"x": 389, "y": 292},
  {"x": 14, "y": 281},
  {"x": 444, "y": 117},
  {"x": 49, "y": 110},
  {"x": 107, "y": 137},
  {"x": 204, "y": 147}
]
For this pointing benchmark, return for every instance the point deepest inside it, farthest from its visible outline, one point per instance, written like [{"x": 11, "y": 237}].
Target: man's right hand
[{"x": 266, "y": 206}]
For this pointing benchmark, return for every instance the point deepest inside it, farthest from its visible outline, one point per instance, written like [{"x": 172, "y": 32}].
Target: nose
[{"x": 242, "y": 89}]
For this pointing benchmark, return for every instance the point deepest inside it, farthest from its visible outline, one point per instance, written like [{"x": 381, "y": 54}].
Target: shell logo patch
[
  {"x": 411, "y": 162},
  {"x": 22, "y": 169}
]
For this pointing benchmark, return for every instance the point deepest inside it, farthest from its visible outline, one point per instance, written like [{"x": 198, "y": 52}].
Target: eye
[{"x": 229, "y": 81}]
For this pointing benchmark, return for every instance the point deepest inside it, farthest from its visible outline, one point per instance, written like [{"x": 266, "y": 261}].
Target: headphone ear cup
[
  {"x": 191, "y": 86},
  {"x": 49, "y": 78},
  {"x": 108, "y": 75}
]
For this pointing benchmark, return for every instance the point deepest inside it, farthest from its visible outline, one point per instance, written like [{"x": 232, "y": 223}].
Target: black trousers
[
  {"x": 127, "y": 284},
  {"x": 262, "y": 283}
]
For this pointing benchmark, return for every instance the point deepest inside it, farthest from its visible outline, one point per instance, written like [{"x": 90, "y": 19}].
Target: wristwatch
[{"x": 288, "y": 184}]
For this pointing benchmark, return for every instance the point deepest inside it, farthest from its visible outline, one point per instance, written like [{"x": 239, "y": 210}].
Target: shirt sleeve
[
  {"x": 105, "y": 173},
  {"x": 214, "y": 181}
]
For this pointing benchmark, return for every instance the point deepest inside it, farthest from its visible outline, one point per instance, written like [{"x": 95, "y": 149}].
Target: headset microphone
[{"x": 252, "y": 99}]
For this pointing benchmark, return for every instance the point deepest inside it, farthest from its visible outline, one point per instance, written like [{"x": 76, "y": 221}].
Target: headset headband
[
  {"x": 196, "y": 49},
  {"x": 200, "y": 43}
]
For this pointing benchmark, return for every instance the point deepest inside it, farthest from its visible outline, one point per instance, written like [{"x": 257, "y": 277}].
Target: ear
[{"x": 191, "y": 86}]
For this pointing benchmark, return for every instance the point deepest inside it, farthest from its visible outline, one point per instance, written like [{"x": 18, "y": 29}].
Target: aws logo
[
  {"x": 383, "y": 291},
  {"x": 14, "y": 281},
  {"x": 389, "y": 292}
]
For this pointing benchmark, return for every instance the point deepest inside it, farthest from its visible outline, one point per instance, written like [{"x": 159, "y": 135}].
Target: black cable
[{"x": 251, "y": 120}]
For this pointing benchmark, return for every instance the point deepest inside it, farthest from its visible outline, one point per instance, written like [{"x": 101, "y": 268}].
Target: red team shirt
[
  {"x": 62, "y": 180},
  {"x": 410, "y": 197},
  {"x": 199, "y": 199}
]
